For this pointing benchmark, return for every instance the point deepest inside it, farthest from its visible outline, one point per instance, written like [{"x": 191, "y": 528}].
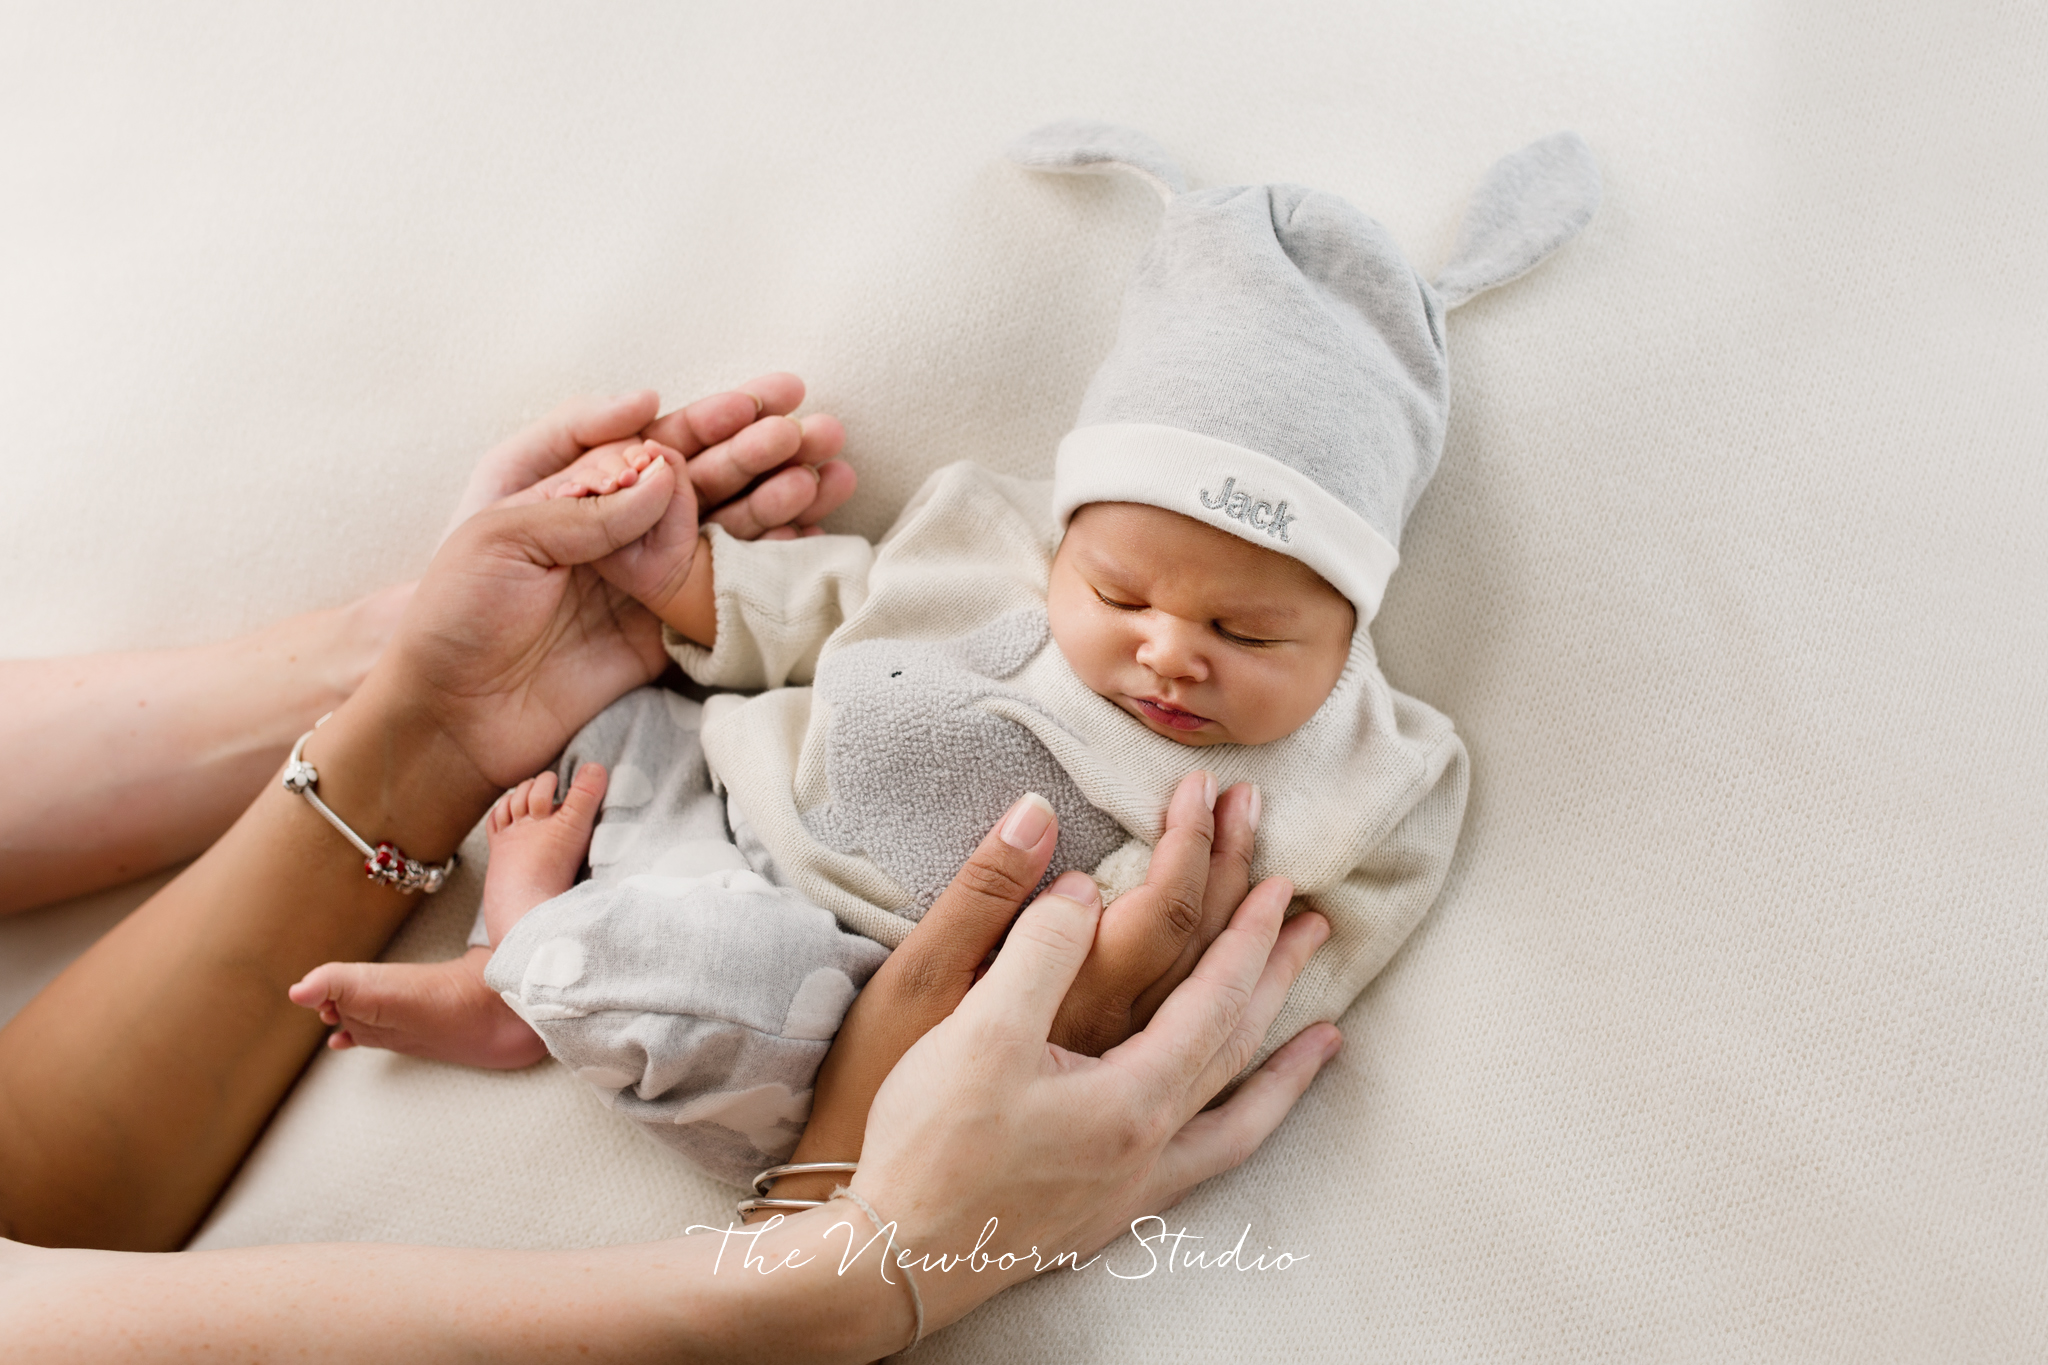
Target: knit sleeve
[
  {"x": 777, "y": 601},
  {"x": 1374, "y": 909}
]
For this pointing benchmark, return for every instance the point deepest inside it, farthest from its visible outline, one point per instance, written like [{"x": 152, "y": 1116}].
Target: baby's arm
[
  {"x": 692, "y": 611},
  {"x": 757, "y": 615},
  {"x": 685, "y": 606}
]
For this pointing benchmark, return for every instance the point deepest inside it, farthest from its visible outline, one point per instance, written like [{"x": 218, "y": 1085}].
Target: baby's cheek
[
  {"x": 1269, "y": 703},
  {"x": 1091, "y": 658}
]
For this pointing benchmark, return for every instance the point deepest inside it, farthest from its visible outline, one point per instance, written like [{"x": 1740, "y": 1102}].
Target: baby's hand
[
  {"x": 657, "y": 568},
  {"x": 771, "y": 480},
  {"x": 604, "y": 469}
]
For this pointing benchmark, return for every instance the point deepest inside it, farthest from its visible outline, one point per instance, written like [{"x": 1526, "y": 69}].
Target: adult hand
[
  {"x": 985, "y": 1118},
  {"x": 1150, "y": 938},
  {"x": 512, "y": 641},
  {"x": 726, "y": 440},
  {"x": 528, "y": 624},
  {"x": 1147, "y": 943},
  {"x": 760, "y": 478}
]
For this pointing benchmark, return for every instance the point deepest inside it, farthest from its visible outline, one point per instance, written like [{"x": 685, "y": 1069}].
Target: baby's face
[{"x": 1206, "y": 638}]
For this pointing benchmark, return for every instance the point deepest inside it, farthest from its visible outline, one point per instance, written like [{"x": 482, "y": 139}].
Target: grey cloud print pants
[{"x": 697, "y": 997}]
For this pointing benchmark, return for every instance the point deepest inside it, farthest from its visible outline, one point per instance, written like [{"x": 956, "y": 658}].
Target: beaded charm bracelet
[{"x": 384, "y": 862}]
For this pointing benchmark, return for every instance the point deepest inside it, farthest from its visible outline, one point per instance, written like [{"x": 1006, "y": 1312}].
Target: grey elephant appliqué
[{"x": 919, "y": 770}]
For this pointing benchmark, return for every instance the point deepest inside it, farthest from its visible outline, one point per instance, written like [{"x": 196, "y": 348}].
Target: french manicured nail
[
  {"x": 1258, "y": 808},
  {"x": 1077, "y": 887},
  {"x": 1027, "y": 821},
  {"x": 1209, "y": 790}
]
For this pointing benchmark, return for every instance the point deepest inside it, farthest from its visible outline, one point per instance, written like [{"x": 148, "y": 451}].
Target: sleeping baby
[{"x": 1192, "y": 589}]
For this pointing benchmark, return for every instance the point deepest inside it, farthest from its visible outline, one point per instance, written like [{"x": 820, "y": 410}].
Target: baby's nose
[{"x": 1172, "y": 649}]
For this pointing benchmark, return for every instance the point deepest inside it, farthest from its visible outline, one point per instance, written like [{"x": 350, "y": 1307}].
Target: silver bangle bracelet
[
  {"x": 775, "y": 1173},
  {"x": 760, "y": 1203},
  {"x": 386, "y": 862},
  {"x": 747, "y": 1206}
]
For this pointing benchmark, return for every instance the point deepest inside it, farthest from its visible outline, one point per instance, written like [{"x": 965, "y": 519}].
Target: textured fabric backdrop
[{"x": 1728, "y": 1039}]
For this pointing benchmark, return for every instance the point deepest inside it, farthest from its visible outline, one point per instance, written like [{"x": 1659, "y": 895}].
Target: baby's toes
[
  {"x": 500, "y": 814},
  {"x": 516, "y": 802},
  {"x": 317, "y": 989},
  {"x": 586, "y": 794},
  {"x": 538, "y": 797},
  {"x": 326, "y": 990}
]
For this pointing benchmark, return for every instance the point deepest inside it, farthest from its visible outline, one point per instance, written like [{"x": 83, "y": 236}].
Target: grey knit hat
[{"x": 1279, "y": 369}]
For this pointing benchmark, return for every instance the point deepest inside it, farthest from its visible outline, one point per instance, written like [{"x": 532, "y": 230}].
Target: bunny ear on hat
[
  {"x": 1531, "y": 203},
  {"x": 1279, "y": 370},
  {"x": 1084, "y": 147}
]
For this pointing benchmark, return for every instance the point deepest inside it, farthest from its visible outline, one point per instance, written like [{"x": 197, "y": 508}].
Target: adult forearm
[
  {"x": 700, "y": 1298},
  {"x": 121, "y": 764},
  {"x": 132, "y": 1086}
]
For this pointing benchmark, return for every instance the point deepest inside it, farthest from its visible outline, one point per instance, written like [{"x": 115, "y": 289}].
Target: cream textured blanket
[{"x": 1728, "y": 1038}]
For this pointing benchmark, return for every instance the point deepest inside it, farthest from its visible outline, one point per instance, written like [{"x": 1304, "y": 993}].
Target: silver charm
[{"x": 385, "y": 863}]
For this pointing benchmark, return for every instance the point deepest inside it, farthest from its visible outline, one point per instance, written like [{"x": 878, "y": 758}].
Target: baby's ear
[
  {"x": 1531, "y": 203},
  {"x": 1084, "y": 147}
]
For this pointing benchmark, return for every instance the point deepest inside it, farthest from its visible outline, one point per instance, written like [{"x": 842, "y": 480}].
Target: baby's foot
[
  {"x": 535, "y": 847},
  {"x": 439, "y": 1010},
  {"x": 443, "y": 1010}
]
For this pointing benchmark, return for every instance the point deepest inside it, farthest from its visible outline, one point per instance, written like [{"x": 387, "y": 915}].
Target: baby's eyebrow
[
  {"x": 1106, "y": 571},
  {"x": 1271, "y": 619}
]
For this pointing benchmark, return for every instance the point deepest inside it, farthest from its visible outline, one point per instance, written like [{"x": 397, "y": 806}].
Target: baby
[{"x": 1199, "y": 575}]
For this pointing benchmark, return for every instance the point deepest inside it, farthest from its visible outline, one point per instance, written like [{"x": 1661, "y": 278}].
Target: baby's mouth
[{"x": 1170, "y": 716}]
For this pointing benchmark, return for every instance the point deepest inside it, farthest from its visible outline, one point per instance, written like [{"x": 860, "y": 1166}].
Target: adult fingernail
[
  {"x": 1077, "y": 887},
  {"x": 1027, "y": 821},
  {"x": 1209, "y": 790},
  {"x": 1258, "y": 808}
]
